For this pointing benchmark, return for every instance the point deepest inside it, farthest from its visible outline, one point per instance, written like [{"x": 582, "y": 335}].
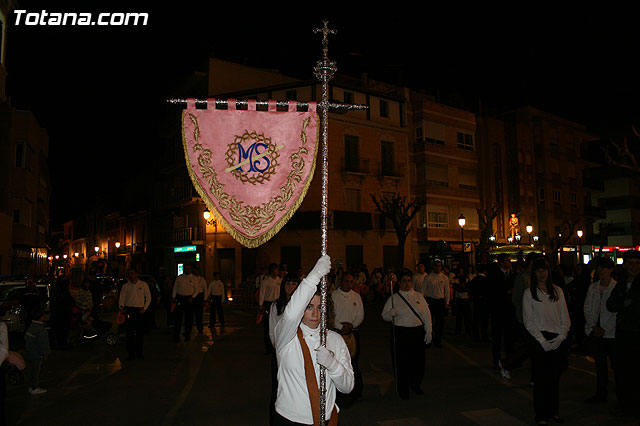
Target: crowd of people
[{"x": 527, "y": 311}]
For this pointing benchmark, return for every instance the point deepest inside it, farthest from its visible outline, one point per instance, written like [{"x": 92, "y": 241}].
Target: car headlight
[{"x": 15, "y": 311}]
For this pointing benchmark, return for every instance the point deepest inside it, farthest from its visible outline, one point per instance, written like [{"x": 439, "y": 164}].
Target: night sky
[{"x": 98, "y": 90}]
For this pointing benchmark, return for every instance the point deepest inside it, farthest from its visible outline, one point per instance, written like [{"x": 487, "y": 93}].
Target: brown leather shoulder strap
[{"x": 312, "y": 385}]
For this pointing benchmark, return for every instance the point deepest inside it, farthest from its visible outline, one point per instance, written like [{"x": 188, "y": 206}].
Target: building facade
[{"x": 445, "y": 172}]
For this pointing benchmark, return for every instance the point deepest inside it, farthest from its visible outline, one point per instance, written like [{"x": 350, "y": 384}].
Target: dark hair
[
  {"x": 605, "y": 262},
  {"x": 539, "y": 264},
  {"x": 404, "y": 272},
  {"x": 283, "y": 299},
  {"x": 530, "y": 257},
  {"x": 84, "y": 284},
  {"x": 272, "y": 267}
]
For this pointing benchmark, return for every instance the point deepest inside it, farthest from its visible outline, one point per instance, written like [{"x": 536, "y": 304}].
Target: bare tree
[
  {"x": 400, "y": 212},
  {"x": 567, "y": 232},
  {"x": 622, "y": 154},
  {"x": 485, "y": 217}
]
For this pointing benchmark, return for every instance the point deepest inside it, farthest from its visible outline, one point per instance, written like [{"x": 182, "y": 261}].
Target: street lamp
[
  {"x": 210, "y": 220},
  {"x": 117, "y": 244},
  {"x": 580, "y": 233},
  {"x": 529, "y": 229},
  {"x": 510, "y": 239},
  {"x": 518, "y": 237},
  {"x": 461, "y": 222}
]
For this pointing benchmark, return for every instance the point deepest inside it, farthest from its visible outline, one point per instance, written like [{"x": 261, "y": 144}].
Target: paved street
[{"x": 223, "y": 378}]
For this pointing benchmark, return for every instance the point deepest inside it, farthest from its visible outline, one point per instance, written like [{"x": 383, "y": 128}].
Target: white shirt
[
  {"x": 269, "y": 290},
  {"x": 417, "y": 280},
  {"x": 293, "y": 395},
  {"x": 348, "y": 308},
  {"x": 216, "y": 288},
  {"x": 135, "y": 295},
  {"x": 273, "y": 320},
  {"x": 545, "y": 315},
  {"x": 404, "y": 316},
  {"x": 436, "y": 286},
  {"x": 185, "y": 286},
  {"x": 595, "y": 306},
  {"x": 201, "y": 285}
]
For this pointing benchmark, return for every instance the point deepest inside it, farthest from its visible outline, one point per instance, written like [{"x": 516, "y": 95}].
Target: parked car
[{"x": 10, "y": 296}]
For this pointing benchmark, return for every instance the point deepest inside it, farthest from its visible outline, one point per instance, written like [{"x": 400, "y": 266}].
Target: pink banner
[{"x": 252, "y": 168}]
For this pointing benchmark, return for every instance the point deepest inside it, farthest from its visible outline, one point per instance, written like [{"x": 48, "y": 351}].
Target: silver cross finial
[{"x": 325, "y": 32}]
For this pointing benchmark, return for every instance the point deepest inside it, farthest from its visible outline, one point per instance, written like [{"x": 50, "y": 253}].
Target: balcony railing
[
  {"x": 181, "y": 235},
  {"x": 355, "y": 165}
]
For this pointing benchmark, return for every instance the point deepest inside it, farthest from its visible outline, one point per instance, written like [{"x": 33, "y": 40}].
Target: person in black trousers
[
  {"x": 501, "y": 309},
  {"x": 408, "y": 311},
  {"x": 625, "y": 301},
  {"x": 546, "y": 318}
]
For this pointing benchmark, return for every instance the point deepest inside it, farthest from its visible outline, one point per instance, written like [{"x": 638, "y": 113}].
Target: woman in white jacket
[
  {"x": 300, "y": 322},
  {"x": 600, "y": 325},
  {"x": 546, "y": 318}
]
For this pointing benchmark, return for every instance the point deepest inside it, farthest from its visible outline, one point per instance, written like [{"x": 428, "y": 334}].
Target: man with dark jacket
[
  {"x": 625, "y": 301},
  {"x": 503, "y": 319}
]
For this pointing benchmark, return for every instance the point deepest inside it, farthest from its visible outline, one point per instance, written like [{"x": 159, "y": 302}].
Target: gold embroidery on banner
[
  {"x": 272, "y": 153},
  {"x": 252, "y": 219}
]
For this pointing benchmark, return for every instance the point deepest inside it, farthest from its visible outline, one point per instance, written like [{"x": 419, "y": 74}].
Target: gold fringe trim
[{"x": 250, "y": 242}]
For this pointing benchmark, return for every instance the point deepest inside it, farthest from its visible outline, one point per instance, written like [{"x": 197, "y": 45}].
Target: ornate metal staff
[{"x": 324, "y": 71}]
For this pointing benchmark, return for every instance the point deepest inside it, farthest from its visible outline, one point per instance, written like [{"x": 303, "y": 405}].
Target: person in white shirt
[
  {"x": 300, "y": 325},
  {"x": 412, "y": 329},
  {"x": 349, "y": 314},
  {"x": 287, "y": 287},
  {"x": 215, "y": 295},
  {"x": 134, "y": 300},
  {"x": 418, "y": 278},
  {"x": 600, "y": 325},
  {"x": 184, "y": 290},
  {"x": 437, "y": 292},
  {"x": 269, "y": 293},
  {"x": 199, "y": 299},
  {"x": 546, "y": 318}
]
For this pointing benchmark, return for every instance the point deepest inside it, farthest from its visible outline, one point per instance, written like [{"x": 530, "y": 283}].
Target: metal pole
[
  {"x": 462, "y": 258},
  {"x": 324, "y": 71},
  {"x": 284, "y": 104}
]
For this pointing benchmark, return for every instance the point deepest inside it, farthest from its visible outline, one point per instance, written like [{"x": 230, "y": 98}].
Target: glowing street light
[
  {"x": 117, "y": 244},
  {"x": 580, "y": 233},
  {"x": 461, "y": 222},
  {"x": 529, "y": 229}
]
